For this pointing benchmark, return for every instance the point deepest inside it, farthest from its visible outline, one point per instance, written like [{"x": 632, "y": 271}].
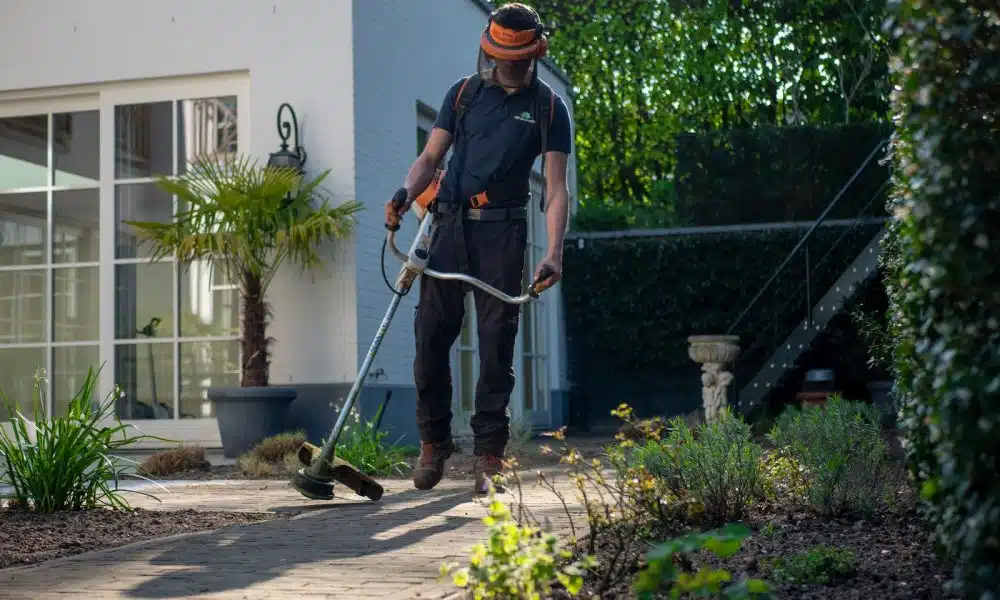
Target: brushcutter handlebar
[{"x": 416, "y": 262}]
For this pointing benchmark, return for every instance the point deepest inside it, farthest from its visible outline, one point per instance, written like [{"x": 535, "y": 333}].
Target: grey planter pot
[
  {"x": 881, "y": 392},
  {"x": 248, "y": 415}
]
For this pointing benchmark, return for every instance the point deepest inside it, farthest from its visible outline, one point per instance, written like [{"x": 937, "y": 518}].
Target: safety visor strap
[{"x": 509, "y": 44}]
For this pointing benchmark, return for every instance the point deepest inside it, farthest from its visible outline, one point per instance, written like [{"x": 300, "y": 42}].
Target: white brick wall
[
  {"x": 296, "y": 51},
  {"x": 404, "y": 52}
]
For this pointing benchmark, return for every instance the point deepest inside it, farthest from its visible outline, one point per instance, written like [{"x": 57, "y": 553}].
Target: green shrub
[
  {"x": 718, "y": 464},
  {"x": 943, "y": 271},
  {"x": 517, "y": 561},
  {"x": 175, "y": 460},
  {"x": 662, "y": 572},
  {"x": 820, "y": 565},
  {"x": 276, "y": 448},
  {"x": 365, "y": 447},
  {"x": 840, "y": 448},
  {"x": 65, "y": 463}
]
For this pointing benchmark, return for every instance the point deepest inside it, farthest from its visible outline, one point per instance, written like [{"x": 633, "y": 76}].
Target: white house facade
[{"x": 97, "y": 98}]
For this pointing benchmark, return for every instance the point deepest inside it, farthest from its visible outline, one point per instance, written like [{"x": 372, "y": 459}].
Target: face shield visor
[{"x": 513, "y": 53}]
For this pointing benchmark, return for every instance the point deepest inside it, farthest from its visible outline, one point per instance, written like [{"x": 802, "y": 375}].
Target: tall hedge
[
  {"x": 944, "y": 262},
  {"x": 778, "y": 174},
  {"x": 632, "y": 302}
]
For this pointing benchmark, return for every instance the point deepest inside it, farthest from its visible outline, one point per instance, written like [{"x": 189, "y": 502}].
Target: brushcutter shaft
[{"x": 326, "y": 453}]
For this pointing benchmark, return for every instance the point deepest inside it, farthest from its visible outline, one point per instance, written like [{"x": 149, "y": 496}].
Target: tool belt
[
  {"x": 497, "y": 213},
  {"x": 507, "y": 189}
]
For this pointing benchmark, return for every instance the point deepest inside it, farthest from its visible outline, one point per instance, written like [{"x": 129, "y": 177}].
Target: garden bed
[
  {"x": 819, "y": 509},
  {"x": 893, "y": 558},
  {"x": 30, "y": 537}
]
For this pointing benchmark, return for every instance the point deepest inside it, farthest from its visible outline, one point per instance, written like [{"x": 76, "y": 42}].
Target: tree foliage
[
  {"x": 943, "y": 259},
  {"x": 646, "y": 70}
]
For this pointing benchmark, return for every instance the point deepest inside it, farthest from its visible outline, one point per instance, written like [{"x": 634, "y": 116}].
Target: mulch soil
[{"x": 30, "y": 537}]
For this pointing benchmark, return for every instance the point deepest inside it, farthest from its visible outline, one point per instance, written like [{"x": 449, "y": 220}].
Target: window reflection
[
  {"x": 24, "y": 152},
  {"x": 143, "y": 140},
  {"x": 206, "y": 126}
]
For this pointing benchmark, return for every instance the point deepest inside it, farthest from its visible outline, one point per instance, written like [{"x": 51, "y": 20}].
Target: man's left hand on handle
[{"x": 552, "y": 264}]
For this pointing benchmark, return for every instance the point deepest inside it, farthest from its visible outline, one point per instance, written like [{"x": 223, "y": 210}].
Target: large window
[
  {"x": 77, "y": 289},
  {"x": 49, "y": 270},
  {"x": 176, "y": 326}
]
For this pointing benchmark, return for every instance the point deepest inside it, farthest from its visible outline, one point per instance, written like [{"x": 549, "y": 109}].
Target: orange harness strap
[{"x": 427, "y": 197}]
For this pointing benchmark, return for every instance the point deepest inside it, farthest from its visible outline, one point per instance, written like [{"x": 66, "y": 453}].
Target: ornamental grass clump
[{"x": 65, "y": 463}]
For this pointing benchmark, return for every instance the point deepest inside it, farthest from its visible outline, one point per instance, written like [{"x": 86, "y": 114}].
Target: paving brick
[{"x": 346, "y": 548}]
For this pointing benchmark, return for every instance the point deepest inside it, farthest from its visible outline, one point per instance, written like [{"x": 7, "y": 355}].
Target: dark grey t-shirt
[{"x": 499, "y": 139}]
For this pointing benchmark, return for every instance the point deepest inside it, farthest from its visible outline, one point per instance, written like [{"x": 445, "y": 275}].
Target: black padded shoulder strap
[
  {"x": 466, "y": 93},
  {"x": 545, "y": 111},
  {"x": 545, "y": 101}
]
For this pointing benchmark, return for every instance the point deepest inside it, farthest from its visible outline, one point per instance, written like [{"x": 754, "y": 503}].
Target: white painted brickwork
[{"x": 296, "y": 51}]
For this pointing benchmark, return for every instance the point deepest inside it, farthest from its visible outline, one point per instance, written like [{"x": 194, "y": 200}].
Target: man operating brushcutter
[{"x": 500, "y": 119}]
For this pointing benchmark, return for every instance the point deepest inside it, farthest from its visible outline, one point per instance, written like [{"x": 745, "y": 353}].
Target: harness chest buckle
[{"x": 479, "y": 200}]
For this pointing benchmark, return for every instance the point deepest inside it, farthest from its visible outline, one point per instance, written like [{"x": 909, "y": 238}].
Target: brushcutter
[{"x": 321, "y": 465}]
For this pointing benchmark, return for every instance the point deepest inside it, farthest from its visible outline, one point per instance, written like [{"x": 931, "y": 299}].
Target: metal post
[{"x": 809, "y": 304}]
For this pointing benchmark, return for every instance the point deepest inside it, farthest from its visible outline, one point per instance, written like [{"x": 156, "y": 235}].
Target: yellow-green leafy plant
[
  {"x": 248, "y": 220},
  {"x": 623, "y": 505},
  {"x": 53, "y": 463},
  {"x": 517, "y": 561},
  {"x": 664, "y": 572}
]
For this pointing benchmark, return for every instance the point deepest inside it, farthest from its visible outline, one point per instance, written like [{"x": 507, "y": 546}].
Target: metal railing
[{"x": 806, "y": 237}]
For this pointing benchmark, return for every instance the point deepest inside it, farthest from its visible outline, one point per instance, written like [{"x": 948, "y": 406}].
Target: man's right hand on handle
[{"x": 396, "y": 208}]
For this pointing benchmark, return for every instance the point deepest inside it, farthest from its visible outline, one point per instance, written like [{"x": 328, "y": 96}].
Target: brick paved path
[{"x": 346, "y": 548}]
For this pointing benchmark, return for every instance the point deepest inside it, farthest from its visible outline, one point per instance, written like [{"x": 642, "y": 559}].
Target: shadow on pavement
[{"x": 242, "y": 557}]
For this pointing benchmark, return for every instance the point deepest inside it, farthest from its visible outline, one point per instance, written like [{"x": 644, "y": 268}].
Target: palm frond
[{"x": 253, "y": 216}]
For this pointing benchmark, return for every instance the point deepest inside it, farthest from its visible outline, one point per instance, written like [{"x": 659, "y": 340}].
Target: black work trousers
[{"x": 495, "y": 254}]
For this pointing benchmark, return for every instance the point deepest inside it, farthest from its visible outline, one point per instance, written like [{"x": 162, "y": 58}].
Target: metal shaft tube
[{"x": 329, "y": 447}]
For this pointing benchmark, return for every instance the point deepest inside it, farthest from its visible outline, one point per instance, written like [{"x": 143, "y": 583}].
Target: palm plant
[{"x": 248, "y": 220}]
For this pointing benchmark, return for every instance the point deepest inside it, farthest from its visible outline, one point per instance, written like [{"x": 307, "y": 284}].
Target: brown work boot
[
  {"x": 430, "y": 465},
  {"x": 486, "y": 467}
]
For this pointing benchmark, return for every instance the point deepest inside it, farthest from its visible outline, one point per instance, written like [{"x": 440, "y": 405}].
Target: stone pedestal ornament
[{"x": 715, "y": 353}]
